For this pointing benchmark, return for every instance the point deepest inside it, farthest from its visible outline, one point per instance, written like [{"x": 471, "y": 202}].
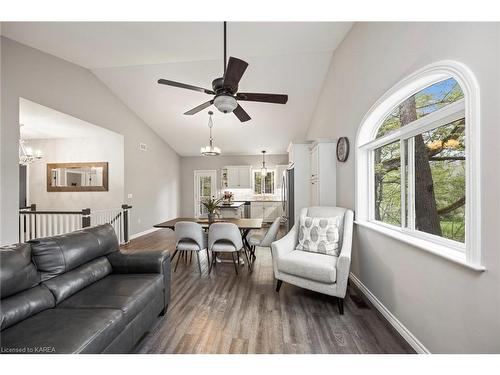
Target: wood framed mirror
[{"x": 74, "y": 177}]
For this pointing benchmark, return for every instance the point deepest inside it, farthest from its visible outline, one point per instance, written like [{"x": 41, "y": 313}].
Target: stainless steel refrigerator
[{"x": 287, "y": 196}]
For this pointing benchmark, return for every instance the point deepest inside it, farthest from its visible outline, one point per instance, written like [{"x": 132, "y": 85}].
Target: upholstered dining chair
[
  {"x": 190, "y": 237},
  {"x": 322, "y": 273},
  {"x": 225, "y": 238},
  {"x": 259, "y": 240}
]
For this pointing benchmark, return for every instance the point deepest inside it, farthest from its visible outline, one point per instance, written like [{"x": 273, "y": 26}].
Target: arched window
[{"x": 418, "y": 163}]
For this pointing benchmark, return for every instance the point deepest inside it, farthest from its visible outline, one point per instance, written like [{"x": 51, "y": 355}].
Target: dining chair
[
  {"x": 225, "y": 238},
  {"x": 259, "y": 240},
  {"x": 190, "y": 237}
]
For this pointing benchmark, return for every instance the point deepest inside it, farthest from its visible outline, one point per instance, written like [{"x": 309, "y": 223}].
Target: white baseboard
[
  {"x": 147, "y": 231},
  {"x": 398, "y": 326}
]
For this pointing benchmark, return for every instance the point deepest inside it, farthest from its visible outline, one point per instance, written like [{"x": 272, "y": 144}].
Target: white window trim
[{"x": 469, "y": 254}]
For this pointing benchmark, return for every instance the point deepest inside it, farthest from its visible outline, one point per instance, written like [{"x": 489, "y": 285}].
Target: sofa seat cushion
[
  {"x": 64, "y": 331},
  {"x": 128, "y": 293},
  {"x": 312, "y": 266}
]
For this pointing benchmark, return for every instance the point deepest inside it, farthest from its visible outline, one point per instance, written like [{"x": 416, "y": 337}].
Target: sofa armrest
[
  {"x": 139, "y": 261},
  {"x": 284, "y": 245},
  {"x": 144, "y": 261},
  {"x": 344, "y": 261}
]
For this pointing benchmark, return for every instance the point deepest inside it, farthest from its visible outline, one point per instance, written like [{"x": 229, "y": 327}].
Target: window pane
[
  {"x": 269, "y": 183},
  {"x": 257, "y": 182},
  {"x": 440, "y": 181},
  {"x": 388, "y": 184},
  {"x": 427, "y": 101}
]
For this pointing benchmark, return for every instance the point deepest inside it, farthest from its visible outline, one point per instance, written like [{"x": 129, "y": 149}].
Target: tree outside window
[{"x": 263, "y": 185}]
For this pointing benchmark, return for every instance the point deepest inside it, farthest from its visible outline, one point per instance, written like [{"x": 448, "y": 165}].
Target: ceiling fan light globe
[{"x": 225, "y": 103}]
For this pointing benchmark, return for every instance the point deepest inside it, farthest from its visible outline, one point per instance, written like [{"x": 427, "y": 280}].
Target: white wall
[
  {"x": 105, "y": 148},
  {"x": 191, "y": 163},
  {"x": 447, "y": 307},
  {"x": 152, "y": 176}
]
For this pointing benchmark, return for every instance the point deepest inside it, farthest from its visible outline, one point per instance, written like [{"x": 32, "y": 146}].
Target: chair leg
[
  {"x": 191, "y": 257},
  {"x": 340, "y": 302},
  {"x": 248, "y": 260},
  {"x": 278, "y": 285},
  {"x": 234, "y": 262},
  {"x": 178, "y": 258},
  {"x": 209, "y": 262},
  {"x": 199, "y": 264},
  {"x": 173, "y": 256}
]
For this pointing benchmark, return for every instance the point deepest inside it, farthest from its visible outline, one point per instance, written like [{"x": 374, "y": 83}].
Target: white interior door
[{"x": 205, "y": 186}]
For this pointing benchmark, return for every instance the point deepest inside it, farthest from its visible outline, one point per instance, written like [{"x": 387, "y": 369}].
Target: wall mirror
[{"x": 75, "y": 177}]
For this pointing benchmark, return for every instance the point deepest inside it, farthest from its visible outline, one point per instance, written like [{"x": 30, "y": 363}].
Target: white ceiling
[
  {"x": 285, "y": 57},
  {"x": 40, "y": 122}
]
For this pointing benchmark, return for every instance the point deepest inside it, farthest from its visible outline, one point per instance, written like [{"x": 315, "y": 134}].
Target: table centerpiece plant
[{"x": 212, "y": 207}]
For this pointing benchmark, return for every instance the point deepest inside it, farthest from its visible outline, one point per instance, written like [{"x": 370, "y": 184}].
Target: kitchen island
[{"x": 233, "y": 210}]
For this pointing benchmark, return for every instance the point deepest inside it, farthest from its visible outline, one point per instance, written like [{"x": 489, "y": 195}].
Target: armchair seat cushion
[
  {"x": 312, "y": 266},
  {"x": 128, "y": 293}
]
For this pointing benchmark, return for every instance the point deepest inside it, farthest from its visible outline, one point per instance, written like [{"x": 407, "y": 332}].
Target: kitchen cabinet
[
  {"x": 314, "y": 161},
  {"x": 268, "y": 211},
  {"x": 322, "y": 183},
  {"x": 238, "y": 177}
]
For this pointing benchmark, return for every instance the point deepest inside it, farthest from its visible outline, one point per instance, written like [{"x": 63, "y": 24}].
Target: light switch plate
[{"x": 129, "y": 195}]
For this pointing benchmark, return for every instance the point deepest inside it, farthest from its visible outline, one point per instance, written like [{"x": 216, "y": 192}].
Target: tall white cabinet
[
  {"x": 322, "y": 179},
  {"x": 314, "y": 173}
]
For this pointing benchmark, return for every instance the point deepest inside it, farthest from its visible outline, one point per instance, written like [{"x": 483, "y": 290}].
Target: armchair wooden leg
[
  {"x": 278, "y": 285},
  {"x": 340, "y": 302}
]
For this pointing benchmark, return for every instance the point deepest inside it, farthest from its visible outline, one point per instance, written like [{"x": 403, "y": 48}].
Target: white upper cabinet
[{"x": 239, "y": 177}]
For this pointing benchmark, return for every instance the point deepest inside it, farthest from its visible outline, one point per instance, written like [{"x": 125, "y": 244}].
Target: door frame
[{"x": 213, "y": 173}]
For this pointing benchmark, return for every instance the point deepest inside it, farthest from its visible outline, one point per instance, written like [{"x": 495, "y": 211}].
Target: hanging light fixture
[
  {"x": 26, "y": 154},
  {"x": 210, "y": 150},
  {"x": 263, "y": 170}
]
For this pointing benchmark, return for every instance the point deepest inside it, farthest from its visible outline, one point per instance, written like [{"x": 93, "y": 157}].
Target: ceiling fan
[{"x": 225, "y": 90}]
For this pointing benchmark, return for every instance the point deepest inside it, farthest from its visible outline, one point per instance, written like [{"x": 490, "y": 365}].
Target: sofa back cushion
[
  {"x": 17, "y": 272},
  {"x": 56, "y": 255},
  {"x": 25, "y": 304},
  {"x": 67, "y": 284}
]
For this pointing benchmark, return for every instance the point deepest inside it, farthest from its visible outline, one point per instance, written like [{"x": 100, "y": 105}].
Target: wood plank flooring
[{"x": 228, "y": 313}]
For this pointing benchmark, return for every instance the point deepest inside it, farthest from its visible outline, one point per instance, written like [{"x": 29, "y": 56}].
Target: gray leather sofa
[{"x": 78, "y": 293}]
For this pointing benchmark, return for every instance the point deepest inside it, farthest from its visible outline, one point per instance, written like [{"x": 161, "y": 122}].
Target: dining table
[{"x": 245, "y": 225}]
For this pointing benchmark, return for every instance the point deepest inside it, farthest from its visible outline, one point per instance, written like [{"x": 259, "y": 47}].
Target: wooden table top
[{"x": 241, "y": 223}]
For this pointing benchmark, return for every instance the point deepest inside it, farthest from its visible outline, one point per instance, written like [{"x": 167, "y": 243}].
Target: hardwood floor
[{"x": 225, "y": 313}]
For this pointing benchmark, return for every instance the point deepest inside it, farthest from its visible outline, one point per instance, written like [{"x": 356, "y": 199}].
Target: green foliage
[
  {"x": 212, "y": 204},
  {"x": 446, "y": 152}
]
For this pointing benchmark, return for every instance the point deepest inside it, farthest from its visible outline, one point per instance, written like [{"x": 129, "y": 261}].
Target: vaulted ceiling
[{"x": 283, "y": 57}]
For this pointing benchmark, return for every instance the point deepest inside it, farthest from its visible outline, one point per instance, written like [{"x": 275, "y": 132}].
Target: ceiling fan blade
[
  {"x": 241, "y": 114},
  {"x": 234, "y": 72},
  {"x": 185, "y": 86},
  {"x": 199, "y": 108},
  {"x": 265, "y": 98}
]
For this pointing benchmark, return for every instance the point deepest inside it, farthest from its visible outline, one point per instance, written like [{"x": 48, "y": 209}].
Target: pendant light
[
  {"x": 210, "y": 150},
  {"x": 263, "y": 170}
]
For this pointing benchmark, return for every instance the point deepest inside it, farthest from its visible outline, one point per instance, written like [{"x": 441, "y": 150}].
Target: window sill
[{"x": 429, "y": 246}]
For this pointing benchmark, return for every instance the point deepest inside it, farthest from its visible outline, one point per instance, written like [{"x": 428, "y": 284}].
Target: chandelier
[
  {"x": 263, "y": 170},
  {"x": 27, "y": 155},
  {"x": 210, "y": 150}
]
